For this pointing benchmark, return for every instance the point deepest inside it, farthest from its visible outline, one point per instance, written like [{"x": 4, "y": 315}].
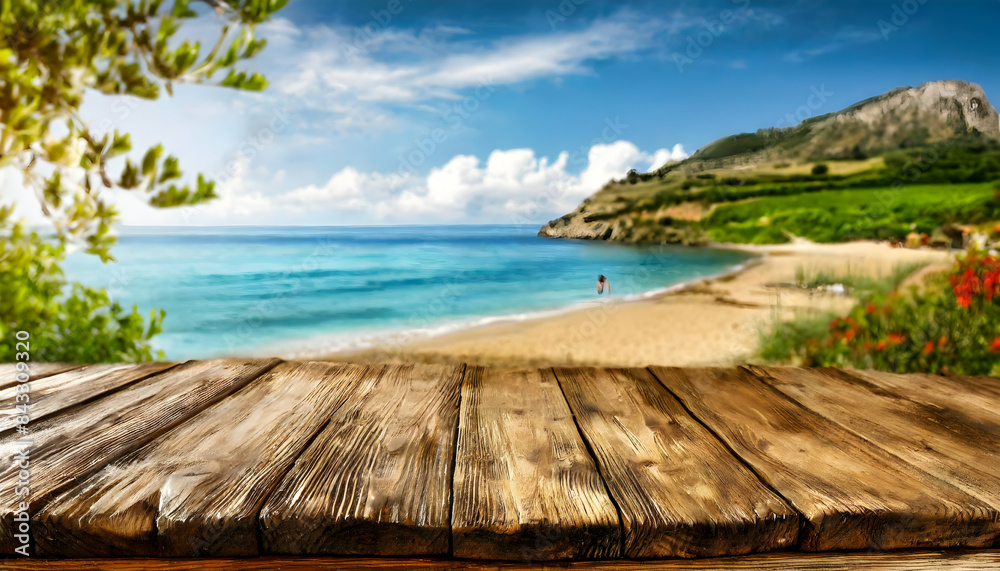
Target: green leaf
[
  {"x": 120, "y": 145},
  {"x": 171, "y": 169},
  {"x": 149, "y": 160}
]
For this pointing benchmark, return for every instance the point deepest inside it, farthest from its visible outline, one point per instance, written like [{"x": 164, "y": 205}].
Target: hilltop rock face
[
  {"x": 930, "y": 113},
  {"x": 960, "y": 103}
]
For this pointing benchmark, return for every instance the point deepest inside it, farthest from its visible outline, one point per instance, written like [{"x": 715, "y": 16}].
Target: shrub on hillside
[{"x": 820, "y": 169}]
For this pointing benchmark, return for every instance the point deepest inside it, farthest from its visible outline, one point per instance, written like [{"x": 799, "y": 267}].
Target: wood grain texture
[
  {"x": 971, "y": 403},
  {"x": 898, "y": 561},
  {"x": 8, "y": 372},
  {"x": 197, "y": 490},
  {"x": 680, "y": 492},
  {"x": 990, "y": 383},
  {"x": 54, "y": 393},
  {"x": 71, "y": 446},
  {"x": 525, "y": 486},
  {"x": 853, "y": 494},
  {"x": 377, "y": 479},
  {"x": 942, "y": 446}
]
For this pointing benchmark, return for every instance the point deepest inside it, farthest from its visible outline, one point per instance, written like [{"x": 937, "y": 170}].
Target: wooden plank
[
  {"x": 525, "y": 486},
  {"x": 853, "y": 494},
  {"x": 899, "y": 561},
  {"x": 377, "y": 479},
  {"x": 8, "y": 372},
  {"x": 989, "y": 383},
  {"x": 197, "y": 490},
  {"x": 974, "y": 404},
  {"x": 951, "y": 450},
  {"x": 71, "y": 446},
  {"x": 54, "y": 393},
  {"x": 680, "y": 492}
]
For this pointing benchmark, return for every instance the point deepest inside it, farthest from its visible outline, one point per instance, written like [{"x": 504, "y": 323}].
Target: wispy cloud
[
  {"x": 843, "y": 39},
  {"x": 372, "y": 77}
]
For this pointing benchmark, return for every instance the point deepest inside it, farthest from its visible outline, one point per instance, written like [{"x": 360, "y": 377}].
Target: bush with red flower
[{"x": 953, "y": 324}]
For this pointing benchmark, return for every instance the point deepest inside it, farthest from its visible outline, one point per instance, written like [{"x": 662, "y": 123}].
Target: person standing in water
[{"x": 601, "y": 282}]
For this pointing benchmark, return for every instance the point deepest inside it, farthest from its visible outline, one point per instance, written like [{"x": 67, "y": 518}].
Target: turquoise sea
[{"x": 301, "y": 291}]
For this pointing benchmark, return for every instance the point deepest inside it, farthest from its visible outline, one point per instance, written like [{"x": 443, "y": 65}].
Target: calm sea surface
[{"x": 309, "y": 290}]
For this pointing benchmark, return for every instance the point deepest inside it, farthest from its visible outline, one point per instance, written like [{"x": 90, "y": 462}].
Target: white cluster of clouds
[{"x": 510, "y": 186}]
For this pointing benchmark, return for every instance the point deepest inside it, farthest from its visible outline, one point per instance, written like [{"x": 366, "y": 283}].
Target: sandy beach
[{"x": 714, "y": 322}]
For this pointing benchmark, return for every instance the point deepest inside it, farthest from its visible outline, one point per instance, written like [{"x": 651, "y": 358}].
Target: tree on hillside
[{"x": 52, "y": 54}]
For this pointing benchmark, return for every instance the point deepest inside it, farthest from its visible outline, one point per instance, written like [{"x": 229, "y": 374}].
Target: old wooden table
[{"x": 294, "y": 461}]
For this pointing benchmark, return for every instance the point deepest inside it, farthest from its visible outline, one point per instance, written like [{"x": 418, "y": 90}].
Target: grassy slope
[
  {"x": 934, "y": 185},
  {"x": 839, "y": 215}
]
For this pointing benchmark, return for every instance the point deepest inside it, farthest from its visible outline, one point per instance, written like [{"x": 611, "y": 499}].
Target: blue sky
[{"x": 514, "y": 111}]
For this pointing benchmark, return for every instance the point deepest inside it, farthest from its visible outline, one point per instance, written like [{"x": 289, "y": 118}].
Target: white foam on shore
[{"x": 327, "y": 345}]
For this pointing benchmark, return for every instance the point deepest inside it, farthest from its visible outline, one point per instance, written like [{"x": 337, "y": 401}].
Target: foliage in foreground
[
  {"x": 952, "y": 325},
  {"x": 69, "y": 322},
  {"x": 53, "y": 53}
]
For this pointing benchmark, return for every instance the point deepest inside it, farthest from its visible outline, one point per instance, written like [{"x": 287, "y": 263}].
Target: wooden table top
[{"x": 432, "y": 465}]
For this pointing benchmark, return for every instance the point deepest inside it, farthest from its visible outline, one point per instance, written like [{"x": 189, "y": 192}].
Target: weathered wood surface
[
  {"x": 525, "y": 486},
  {"x": 8, "y": 371},
  {"x": 990, "y": 383},
  {"x": 942, "y": 446},
  {"x": 973, "y": 403},
  {"x": 54, "y": 393},
  {"x": 898, "y": 561},
  {"x": 681, "y": 493},
  {"x": 197, "y": 490},
  {"x": 224, "y": 458},
  {"x": 71, "y": 446},
  {"x": 853, "y": 494},
  {"x": 377, "y": 479}
]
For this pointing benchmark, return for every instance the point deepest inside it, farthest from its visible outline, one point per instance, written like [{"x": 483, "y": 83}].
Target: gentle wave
[{"x": 324, "y": 346}]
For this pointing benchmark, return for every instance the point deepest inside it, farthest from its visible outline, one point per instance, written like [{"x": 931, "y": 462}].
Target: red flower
[
  {"x": 850, "y": 334},
  {"x": 942, "y": 341},
  {"x": 995, "y": 346},
  {"x": 880, "y": 346},
  {"x": 896, "y": 338},
  {"x": 929, "y": 348},
  {"x": 870, "y": 308}
]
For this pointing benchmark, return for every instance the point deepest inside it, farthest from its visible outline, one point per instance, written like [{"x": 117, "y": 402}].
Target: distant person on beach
[{"x": 601, "y": 282}]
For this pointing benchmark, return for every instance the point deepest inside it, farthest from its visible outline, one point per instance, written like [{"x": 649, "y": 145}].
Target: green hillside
[{"x": 879, "y": 169}]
